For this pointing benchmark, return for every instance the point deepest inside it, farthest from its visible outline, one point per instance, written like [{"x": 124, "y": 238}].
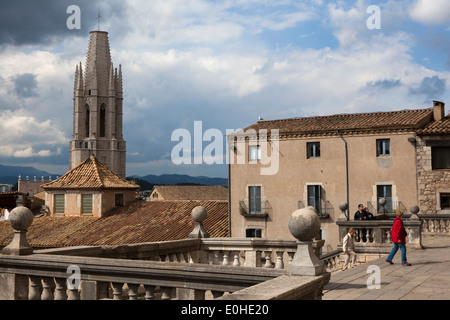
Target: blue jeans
[{"x": 395, "y": 249}]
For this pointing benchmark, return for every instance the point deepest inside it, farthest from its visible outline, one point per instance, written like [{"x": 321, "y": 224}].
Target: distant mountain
[
  {"x": 182, "y": 179},
  {"x": 10, "y": 174}
]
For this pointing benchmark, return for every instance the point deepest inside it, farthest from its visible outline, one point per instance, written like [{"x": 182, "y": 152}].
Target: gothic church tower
[{"x": 97, "y": 108}]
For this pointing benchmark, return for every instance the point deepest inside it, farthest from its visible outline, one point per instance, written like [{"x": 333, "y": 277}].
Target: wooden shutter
[
  {"x": 86, "y": 204},
  {"x": 60, "y": 203}
]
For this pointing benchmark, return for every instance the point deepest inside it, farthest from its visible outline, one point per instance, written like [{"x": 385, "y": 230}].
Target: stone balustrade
[
  {"x": 435, "y": 223},
  {"x": 184, "y": 269}
]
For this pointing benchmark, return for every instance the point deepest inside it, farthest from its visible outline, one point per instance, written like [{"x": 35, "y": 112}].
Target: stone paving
[{"x": 427, "y": 279}]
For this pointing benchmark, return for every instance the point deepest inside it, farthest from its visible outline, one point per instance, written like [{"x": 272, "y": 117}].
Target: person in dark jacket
[
  {"x": 361, "y": 215},
  {"x": 398, "y": 237}
]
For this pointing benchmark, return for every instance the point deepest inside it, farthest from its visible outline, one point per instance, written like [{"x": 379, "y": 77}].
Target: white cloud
[
  {"x": 22, "y": 134},
  {"x": 431, "y": 12}
]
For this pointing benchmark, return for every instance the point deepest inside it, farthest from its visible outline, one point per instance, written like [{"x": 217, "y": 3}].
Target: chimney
[{"x": 438, "y": 110}]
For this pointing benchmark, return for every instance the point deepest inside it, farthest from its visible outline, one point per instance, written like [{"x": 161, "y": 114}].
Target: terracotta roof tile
[
  {"x": 90, "y": 174},
  {"x": 192, "y": 192},
  {"x": 348, "y": 123},
  {"x": 141, "y": 221},
  {"x": 436, "y": 127}
]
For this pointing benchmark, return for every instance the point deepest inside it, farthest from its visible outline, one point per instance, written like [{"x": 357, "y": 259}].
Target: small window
[
  {"x": 254, "y": 153},
  {"x": 253, "y": 233},
  {"x": 445, "y": 201},
  {"x": 383, "y": 147},
  {"x": 314, "y": 197},
  {"x": 254, "y": 200},
  {"x": 119, "y": 200},
  {"x": 440, "y": 157},
  {"x": 59, "y": 203},
  {"x": 313, "y": 150},
  {"x": 86, "y": 204}
]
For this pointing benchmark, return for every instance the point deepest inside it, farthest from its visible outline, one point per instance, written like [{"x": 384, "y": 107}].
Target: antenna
[{"x": 98, "y": 20}]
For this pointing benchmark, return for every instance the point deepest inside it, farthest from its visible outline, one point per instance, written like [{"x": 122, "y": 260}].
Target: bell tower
[{"x": 97, "y": 108}]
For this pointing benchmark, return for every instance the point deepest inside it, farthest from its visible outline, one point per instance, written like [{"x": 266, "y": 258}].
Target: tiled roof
[
  {"x": 141, "y": 221},
  {"x": 192, "y": 192},
  {"x": 348, "y": 123},
  {"x": 436, "y": 127},
  {"x": 90, "y": 174}
]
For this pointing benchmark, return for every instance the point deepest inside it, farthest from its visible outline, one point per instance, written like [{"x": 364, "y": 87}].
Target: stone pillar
[
  {"x": 199, "y": 214},
  {"x": 304, "y": 225},
  {"x": 381, "y": 214},
  {"x": 20, "y": 219}
]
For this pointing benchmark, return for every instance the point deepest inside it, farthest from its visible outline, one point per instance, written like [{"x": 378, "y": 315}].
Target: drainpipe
[
  {"x": 346, "y": 172},
  {"x": 229, "y": 200}
]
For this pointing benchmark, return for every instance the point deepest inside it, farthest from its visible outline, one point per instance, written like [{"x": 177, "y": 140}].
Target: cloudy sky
[{"x": 224, "y": 63}]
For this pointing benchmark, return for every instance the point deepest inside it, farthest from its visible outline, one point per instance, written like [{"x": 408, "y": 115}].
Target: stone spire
[
  {"x": 98, "y": 63},
  {"x": 98, "y": 103}
]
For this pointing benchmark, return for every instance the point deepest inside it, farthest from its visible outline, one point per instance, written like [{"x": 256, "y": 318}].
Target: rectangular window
[
  {"x": 313, "y": 150},
  {"x": 445, "y": 201},
  {"x": 86, "y": 204},
  {"x": 119, "y": 200},
  {"x": 385, "y": 191},
  {"x": 314, "y": 197},
  {"x": 254, "y": 200},
  {"x": 383, "y": 147},
  {"x": 440, "y": 157},
  {"x": 254, "y": 153},
  {"x": 59, "y": 203},
  {"x": 253, "y": 233}
]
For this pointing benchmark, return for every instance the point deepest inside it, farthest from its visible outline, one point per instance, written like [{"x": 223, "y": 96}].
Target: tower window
[
  {"x": 102, "y": 121},
  {"x": 88, "y": 121}
]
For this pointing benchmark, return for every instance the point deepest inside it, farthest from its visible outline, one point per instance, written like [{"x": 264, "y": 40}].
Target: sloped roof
[
  {"x": 141, "y": 221},
  {"x": 348, "y": 123},
  {"x": 192, "y": 192},
  {"x": 436, "y": 127},
  {"x": 90, "y": 174}
]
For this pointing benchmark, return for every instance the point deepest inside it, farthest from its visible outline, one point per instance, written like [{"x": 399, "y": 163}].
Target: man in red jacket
[{"x": 398, "y": 236}]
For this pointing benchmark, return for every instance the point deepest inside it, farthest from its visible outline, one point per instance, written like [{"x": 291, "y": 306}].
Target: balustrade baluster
[
  {"x": 225, "y": 261},
  {"x": 267, "y": 256},
  {"x": 280, "y": 263},
  {"x": 47, "y": 288},
  {"x": 74, "y": 294},
  {"x": 291, "y": 256},
  {"x": 103, "y": 290},
  {"x": 216, "y": 257},
  {"x": 165, "y": 293},
  {"x": 133, "y": 291},
  {"x": 61, "y": 289},
  {"x": 117, "y": 290},
  {"x": 236, "y": 262},
  {"x": 149, "y": 292},
  {"x": 182, "y": 258},
  {"x": 35, "y": 288}
]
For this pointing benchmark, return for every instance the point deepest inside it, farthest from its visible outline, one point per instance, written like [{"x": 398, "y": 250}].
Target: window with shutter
[
  {"x": 59, "y": 203},
  {"x": 86, "y": 204}
]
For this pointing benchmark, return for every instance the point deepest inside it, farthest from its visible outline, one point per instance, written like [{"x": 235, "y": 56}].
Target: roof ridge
[
  {"x": 96, "y": 170},
  {"x": 347, "y": 115}
]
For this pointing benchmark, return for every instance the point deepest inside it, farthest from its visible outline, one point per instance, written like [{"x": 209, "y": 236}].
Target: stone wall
[{"x": 430, "y": 182}]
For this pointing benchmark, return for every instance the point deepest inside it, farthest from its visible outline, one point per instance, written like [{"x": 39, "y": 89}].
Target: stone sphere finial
[
  {"x": 382, "y": 202},
  {"x": 343, "y": 206},
  {"x": 304, "y": 224},
  {"x": 21, "y": 218},
  {"x": 199, "y": 214},
  {"x": 415, "y": 209}
]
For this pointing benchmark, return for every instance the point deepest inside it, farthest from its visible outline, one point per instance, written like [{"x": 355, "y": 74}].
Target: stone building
[
  {"x": 433, "y": 163},
  {"x": 323, "y": 161},
  {"x": 97, "y": 108},
  {"x": 90, "y": 189}
]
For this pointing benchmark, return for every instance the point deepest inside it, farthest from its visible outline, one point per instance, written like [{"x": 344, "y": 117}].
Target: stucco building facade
[{"x": 324, "y": 161}]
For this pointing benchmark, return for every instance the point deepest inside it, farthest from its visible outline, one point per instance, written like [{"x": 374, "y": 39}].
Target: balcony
[
  {"x": 325, "y": 211},
  {"x": 258, "y": 210}
]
